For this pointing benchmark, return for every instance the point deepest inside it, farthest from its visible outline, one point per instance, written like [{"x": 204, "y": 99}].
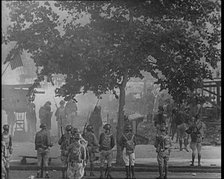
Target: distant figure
[
  {"x": 106, "y": 143},
  {"x": 7, "y": 146},
  {"x": 42, "y": 145},
  {"x": 196, "y": 130},
  {"x": 45, "y": 114},
  {"x": 11, "y": 119},
  {"x": 31, "y": 119},
  {"x": 128, "y": 143},
  {"x": 159, "y": 119},
  {"x": 163, "y": 146},
  {"x": 71, "y": 111},
  {"x": 61, "y": 118},
  {"x": 96, "y": 121}
]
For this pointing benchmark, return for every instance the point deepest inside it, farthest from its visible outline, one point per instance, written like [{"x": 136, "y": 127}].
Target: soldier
[
  {"x": 45, "y": 114},
  {"x": 61, "y": 118},
  {"x": 163, "y": 145},
  {"x": 76, "y": 158},
  {"x": 64, "y": 142},
  {"x": 7, "y": 142},
  {"x": 42, "y": 144},
  {"x": 106, "y": 143},
  {"x": 196, "y": 130},
  {"x": 128, "y": 143},
  {"x": 71, "y": 110},
  {"x": 159, "y": 119},
  {"x": 31, "y": 119},
  {"x": 4, "y": 168},
  {"x": 92, "y": 146}
]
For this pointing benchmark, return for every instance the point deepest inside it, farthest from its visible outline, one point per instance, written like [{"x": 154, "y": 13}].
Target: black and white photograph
[{"x": 111, "y": 89}]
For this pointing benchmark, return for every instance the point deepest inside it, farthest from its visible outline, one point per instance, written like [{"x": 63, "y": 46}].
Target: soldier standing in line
[
  {"x": 196, "y": 130},
  {"x": 128, "y": 143},
  {"x": 163, "y": 147},
  {"x": 64, "y": 142},
  {"x": 76, "y": 158},
  {"x": 42, "y": 145},
  {"x": 159, "y": 119},
  {"x": 45, "y": 114},
  {"x": 7, "y": 143},
  {"x": 92, "y": 146},
  {"x": 61, "y": 118},
  {"x": 106, "y": 143},
  {"x": 71, "y": 111}
]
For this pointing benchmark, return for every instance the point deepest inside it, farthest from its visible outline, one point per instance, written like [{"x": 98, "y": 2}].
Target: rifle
[{"x": 60, "y": 118}]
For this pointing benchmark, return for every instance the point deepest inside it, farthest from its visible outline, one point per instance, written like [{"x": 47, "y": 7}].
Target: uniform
[
  {"x": 162, "y": 145},
  {"x": 160, "y": 119},
  {"x": 42, "y": 144},
  {"x": 106, "y": 143},
  {"x": 76, "y": 158},
  {"x": 32, "y": 120},
  {"x": 7, "y": 143},
  {"x": 196, "y": 131},
  {"x": 92, "y": 146},
  {"x": 128, "y": 143}
]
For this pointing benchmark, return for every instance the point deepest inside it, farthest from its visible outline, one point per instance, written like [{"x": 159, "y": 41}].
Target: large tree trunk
[{"x": 120, "y": 124}]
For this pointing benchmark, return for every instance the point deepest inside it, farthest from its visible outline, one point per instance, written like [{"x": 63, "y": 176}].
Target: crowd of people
[{"x": 77, "y": 149}]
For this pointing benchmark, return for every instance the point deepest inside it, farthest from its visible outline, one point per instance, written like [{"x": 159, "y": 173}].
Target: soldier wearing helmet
[
  {"x": 76, "y": 157},
  {"x": 7, "y": 141},
  {"x": 106, "y": 143},
  {"x": 61, "y": 118},
  {"x": 92, "y": 146},
  {"x": 163, "y": 146},
  {"x": 128, "y": 143},
  {"x": 64, "y": 142},
  {"x": 42, "y": 145}
]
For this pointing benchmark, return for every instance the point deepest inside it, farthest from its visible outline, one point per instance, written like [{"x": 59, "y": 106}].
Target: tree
[{"x": 166, "y": 38}]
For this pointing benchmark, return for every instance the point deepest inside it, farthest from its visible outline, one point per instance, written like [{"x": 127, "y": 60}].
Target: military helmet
[
  {"x": 128, "y": 127},
  {"x": 62, "y": 102},
  {"x": 43, "y": 125},
  {"x": 89, "y": 127},
  {"x": 6, "y": 127},
  {"x": 160, "y": 108},
  {"x": 107, "y": 126},
  {"x": 68, "y": 128},
  {"x": 77, "y": 136},
  {"x": 75, "y": 131}
]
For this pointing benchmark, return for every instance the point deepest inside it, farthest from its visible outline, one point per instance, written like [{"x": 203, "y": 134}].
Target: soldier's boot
[
  {"x": 185, "y": 145},
  {"x": 101, "y": 172},
  {"x": 199, "y": 160},
  {"x": 109, "y": 173},
  {"x": 133, "y": 172},
  {"x": 193, "y": 157},
  {"x": 160, "y": 172},
  {"x": 166, "y": 171},
  {"x": 180, "y": 142},
  {"x": 38, "y": 174},
  {"x": 91, "y": 170},
  {"x": 127, "y": 172},
  {"x": 47, "y": 175}
]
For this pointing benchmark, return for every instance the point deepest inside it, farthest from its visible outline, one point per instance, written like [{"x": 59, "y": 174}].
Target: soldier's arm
[
  {"x": 60, "y": 140},
  {"x": 10, "y": 141},
  {"x": 95, "y": 141},
  {"x": 101, "y": 138},
  {"x": 83, "y": 157},
  {"x": 112, "y": 141},
  {"x": 49, "y": 144},
  {"x": 135, "y": 139}
]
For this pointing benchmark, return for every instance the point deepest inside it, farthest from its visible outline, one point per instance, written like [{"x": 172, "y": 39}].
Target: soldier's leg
[
  {"x": 46, "y": 160},
  {"x": 101, "y": 164},
  {"x": 186, "y": 143},
  {"x": 109, "y": 162},
  {"x": 199, "y": 153},
  {"x": 160, "y": 162},
  {"x": 132, "y": 161},
  {"x": 166, "y": 159},
  {"x": 39, "y": 159},
  {"x": 193, "y": 148},
  {"x": 92, "y": 155},
  {"x": 126, "y": 161}
]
